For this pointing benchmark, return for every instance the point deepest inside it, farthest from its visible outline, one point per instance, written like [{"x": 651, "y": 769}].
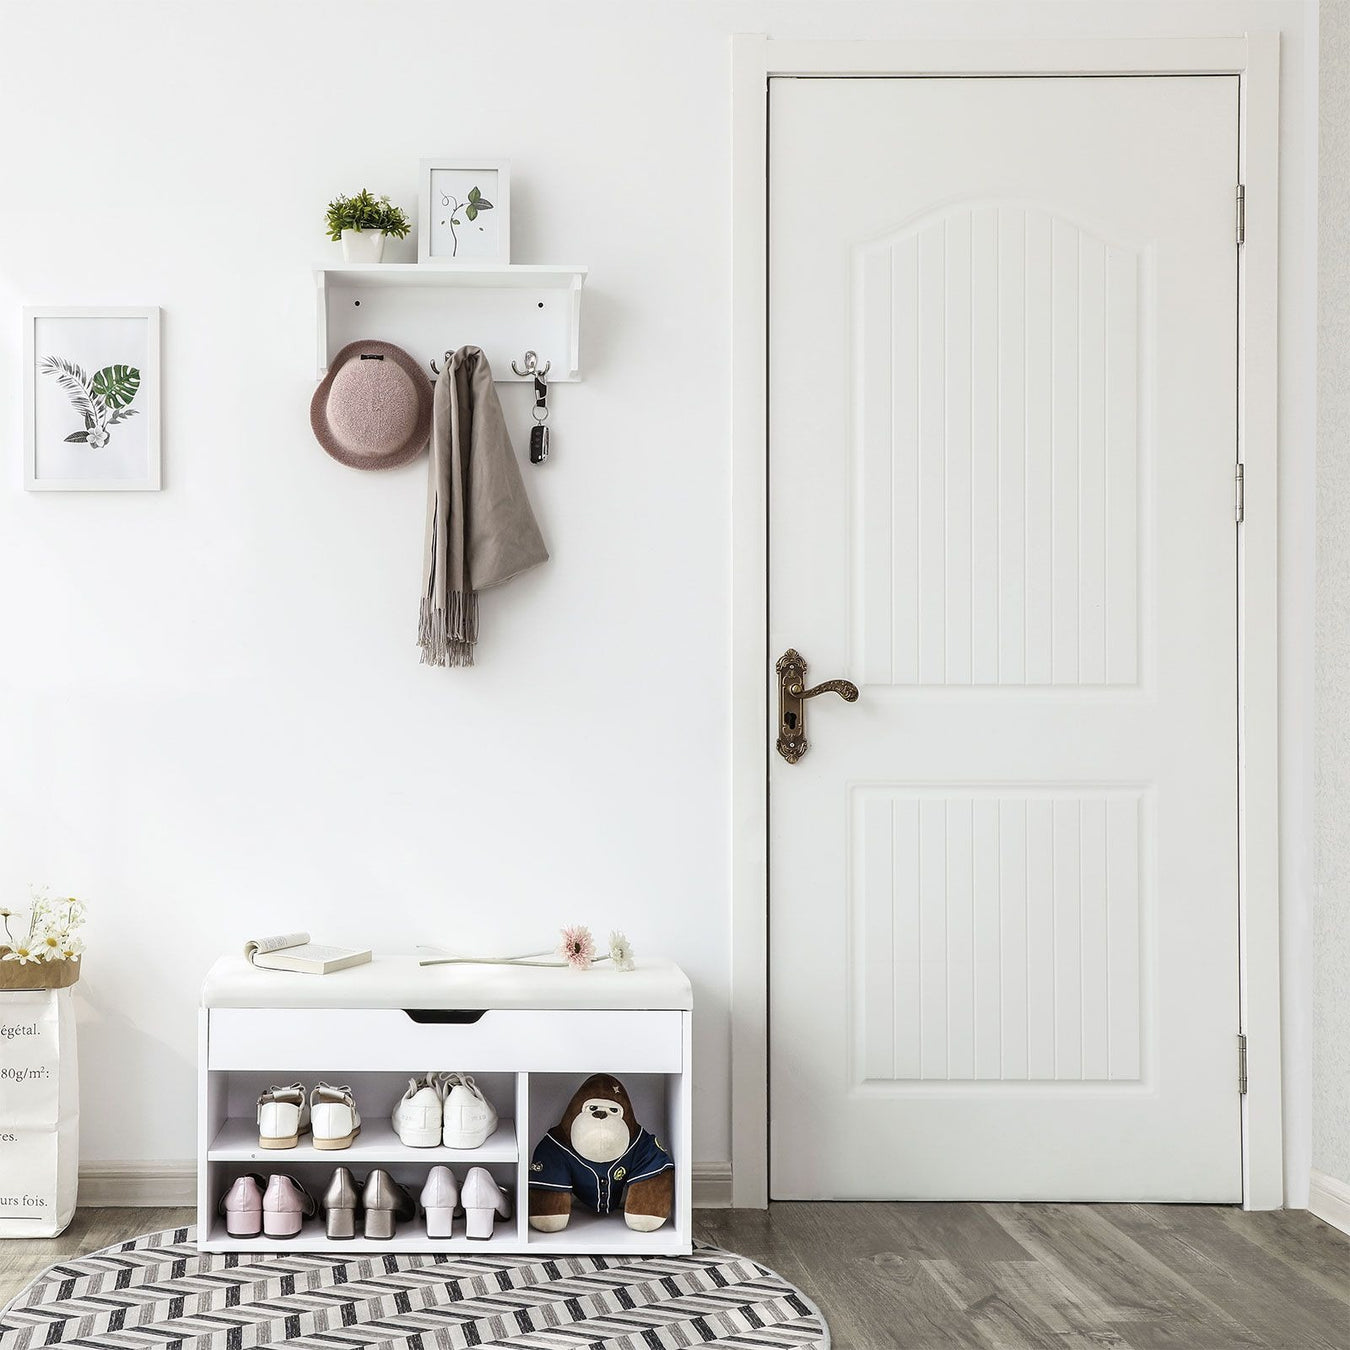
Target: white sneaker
[
  {"x": 334, "y": 1118},
  {"x": 283, "y": 1116},
  {"x": 417, "y": 1115},
  {"x": 469, "y": 1116}
]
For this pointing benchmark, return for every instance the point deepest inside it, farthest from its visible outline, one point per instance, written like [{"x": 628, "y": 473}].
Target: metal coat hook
[
  {"x": 539, "y": 434},
  {"x": 532, "y": 366}
]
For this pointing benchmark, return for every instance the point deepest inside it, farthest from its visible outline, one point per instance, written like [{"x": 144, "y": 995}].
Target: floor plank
[
  {"x": 1300, "y": 1237},
  {"x": 1120, "y": 1278},
  {"x": 1268, "y": 1293},
  {"x": 986, "y": 1277},
  {"x": 852, "y": 1271},
  {"x": 997, "y": 1316},
  {"x": 1039, "y": 1290}
]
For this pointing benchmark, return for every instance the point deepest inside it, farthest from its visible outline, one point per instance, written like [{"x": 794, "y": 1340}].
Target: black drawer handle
[{"x": 458, "y": 1016}]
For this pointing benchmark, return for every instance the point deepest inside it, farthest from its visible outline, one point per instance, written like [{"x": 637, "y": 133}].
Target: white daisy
[{"x": 621, "y": 952}]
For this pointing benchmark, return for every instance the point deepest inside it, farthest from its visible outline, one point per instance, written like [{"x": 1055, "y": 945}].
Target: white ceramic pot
[{"x": 363, "y": 246}]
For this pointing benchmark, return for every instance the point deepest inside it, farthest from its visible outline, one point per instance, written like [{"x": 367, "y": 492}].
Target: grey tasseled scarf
[{"x": 480, "y": 528}]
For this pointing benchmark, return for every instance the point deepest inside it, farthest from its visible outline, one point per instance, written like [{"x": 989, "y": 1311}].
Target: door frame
[{"x": 1254, "y": 58}]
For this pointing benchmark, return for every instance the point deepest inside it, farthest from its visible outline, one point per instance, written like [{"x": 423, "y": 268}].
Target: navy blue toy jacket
[{"x": 556, "y": 1166}]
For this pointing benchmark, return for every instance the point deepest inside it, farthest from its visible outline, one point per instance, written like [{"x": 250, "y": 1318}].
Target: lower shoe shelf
[{"x": 411, "y": 1237}]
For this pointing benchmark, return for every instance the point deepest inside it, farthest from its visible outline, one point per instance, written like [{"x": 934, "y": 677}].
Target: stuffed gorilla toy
[{"x": 599, "y": 1153}]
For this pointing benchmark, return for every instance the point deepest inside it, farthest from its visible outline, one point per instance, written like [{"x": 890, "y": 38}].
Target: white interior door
[{"x": 1004, "y": 890}]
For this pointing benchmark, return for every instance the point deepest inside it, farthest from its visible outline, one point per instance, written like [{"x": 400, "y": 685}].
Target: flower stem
[{"x": 501, "y": 961}]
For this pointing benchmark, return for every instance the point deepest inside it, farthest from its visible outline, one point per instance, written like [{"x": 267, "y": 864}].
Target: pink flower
[{"x": 578, "y": 947}]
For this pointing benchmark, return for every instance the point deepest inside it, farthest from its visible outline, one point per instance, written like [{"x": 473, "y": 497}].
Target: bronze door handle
[
  {"x": 846, "y": 690},
  {"x": 792, "y": 696}
]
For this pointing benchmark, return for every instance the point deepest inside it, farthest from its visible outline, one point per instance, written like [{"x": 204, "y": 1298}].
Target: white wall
[
  {"x": 212, "y": 719},
  {"x": 1331, "y": 1049}
]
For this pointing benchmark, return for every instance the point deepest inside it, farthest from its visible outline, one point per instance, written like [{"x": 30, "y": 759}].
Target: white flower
[
  {"x": 621, "y": 952},
  {"x": 23, "y": 954},
  {"x": 48, "y": 946}
]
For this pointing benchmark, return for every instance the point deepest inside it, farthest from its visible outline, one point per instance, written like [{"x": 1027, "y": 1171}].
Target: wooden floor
[{"x": 1138, "y": 1277}]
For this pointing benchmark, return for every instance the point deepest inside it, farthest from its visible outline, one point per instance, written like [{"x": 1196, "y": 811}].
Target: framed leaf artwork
[
  {"x": 91, "y": 399},
  {"x": 464, "y": 211}
]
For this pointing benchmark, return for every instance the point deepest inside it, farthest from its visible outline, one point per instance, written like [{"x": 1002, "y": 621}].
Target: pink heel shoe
[
  {"x": 286, "y": 1205},
  {"x": 242, "y": 1206}
]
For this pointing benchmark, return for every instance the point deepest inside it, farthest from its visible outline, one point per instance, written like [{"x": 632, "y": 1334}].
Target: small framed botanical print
[
  {"x": 464, "y": 211},
  {"x": 91, "y": 399}
]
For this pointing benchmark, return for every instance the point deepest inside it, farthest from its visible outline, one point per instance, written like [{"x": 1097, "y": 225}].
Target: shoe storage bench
[{"x": 528, "y": 1035}]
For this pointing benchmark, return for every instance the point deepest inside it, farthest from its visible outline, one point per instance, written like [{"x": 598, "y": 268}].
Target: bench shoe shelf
[{"x": 529, "y": 1037}]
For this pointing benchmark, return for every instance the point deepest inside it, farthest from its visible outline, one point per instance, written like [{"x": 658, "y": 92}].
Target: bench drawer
[{"x": 340, "y": 1040}]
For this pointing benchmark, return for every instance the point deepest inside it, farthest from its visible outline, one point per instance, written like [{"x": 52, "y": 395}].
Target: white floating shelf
[
  {"x": 237, "y": 1141},
  {"x": 426, "y": 309}
]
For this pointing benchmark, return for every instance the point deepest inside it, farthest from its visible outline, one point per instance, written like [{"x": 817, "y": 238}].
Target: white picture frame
[
  {"x": 446, "y": 237},
  {"x": 91, "y": 372}
]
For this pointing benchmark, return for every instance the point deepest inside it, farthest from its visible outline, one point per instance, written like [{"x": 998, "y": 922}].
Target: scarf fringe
[{"x": 449, "y": 641}]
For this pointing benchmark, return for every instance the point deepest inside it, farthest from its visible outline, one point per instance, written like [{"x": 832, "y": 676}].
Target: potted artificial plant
[
  {"x": 362, "y": 222},
  {"x": 44, "y": 952}
]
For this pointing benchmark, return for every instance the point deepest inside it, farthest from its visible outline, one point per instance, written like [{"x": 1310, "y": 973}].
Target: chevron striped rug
[{"x": 159, "y": 1290}]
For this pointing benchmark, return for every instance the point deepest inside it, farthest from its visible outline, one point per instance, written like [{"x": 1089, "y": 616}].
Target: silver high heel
[
  {"x": 340, "y": 1203},
  {"x": 385, "y": 1202}
]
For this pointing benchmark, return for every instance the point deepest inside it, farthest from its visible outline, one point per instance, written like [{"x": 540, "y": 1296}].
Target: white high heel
[
  {"x": 440, "y": 1198},
  {"x": 483, "y": 1200}
]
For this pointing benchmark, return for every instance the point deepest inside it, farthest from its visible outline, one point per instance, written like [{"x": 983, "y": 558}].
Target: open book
[{"x": 294, "y": 951}]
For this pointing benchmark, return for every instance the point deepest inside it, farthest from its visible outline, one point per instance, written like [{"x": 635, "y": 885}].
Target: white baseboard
[
  {"x": 1329, "y": 1199},
  {"x": 138, "y": 1185},
  {"x": 142, "y": 1185},
  {"x": 712, "y": 1185}
]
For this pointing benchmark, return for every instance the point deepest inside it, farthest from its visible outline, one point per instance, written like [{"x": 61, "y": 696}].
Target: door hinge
[
  {"x": 1242, "y": 1064},
  {"x": 1239, "y": 493},
  {"x": 1241, "y": 213}
]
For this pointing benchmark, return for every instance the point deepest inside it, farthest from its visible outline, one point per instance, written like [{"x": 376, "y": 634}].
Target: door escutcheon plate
[{"x": 792, "y": 696}]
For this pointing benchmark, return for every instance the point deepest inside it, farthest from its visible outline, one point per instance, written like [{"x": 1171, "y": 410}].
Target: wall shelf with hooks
[{"x": 502, "y": 308}]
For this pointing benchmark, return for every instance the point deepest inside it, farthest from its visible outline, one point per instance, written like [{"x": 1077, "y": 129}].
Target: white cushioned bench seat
[{"x": 399, "y": 982}]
